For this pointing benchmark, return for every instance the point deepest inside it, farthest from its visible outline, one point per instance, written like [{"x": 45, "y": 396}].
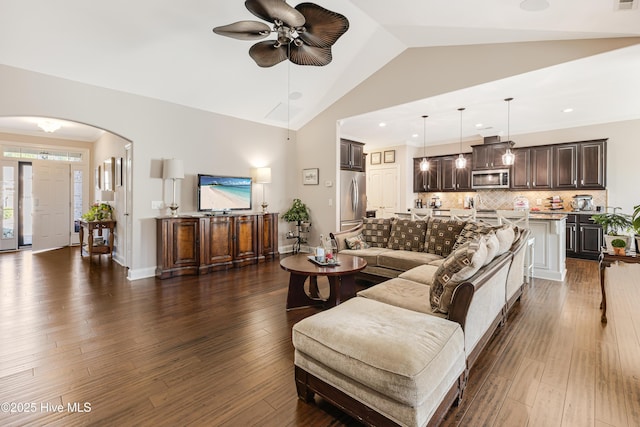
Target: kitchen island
[{"x": 549, "y": 230}]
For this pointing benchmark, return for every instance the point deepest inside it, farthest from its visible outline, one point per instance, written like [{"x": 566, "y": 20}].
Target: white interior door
[
  {"x": 383, "y": 192},
  {"x": 8, "y": 204},
  {"x": 51, "y": 205},
  {"x": 128, "y": 203}
]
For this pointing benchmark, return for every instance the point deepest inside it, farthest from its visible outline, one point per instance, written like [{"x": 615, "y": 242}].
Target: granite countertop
[{"x": 547, "y": 215}]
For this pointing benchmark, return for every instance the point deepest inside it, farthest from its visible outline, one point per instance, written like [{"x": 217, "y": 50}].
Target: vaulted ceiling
[{"x": 166, "y": 50}]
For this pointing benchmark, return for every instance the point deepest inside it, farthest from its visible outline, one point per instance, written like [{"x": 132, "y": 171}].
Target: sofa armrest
[{"x": 339, "y": 236}]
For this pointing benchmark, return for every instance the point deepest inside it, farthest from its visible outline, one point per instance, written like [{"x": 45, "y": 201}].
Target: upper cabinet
[
  {"x": 442, "y": 175},
  {"x": 352, "y": 155},
  {"x": 580, "y": 165},
  {"x": 532, "y": 168},
  {"x": 489, "y": 156}
]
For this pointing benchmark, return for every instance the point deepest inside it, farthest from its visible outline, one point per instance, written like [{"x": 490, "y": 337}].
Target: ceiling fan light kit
[{"x": 304, "y": 34}]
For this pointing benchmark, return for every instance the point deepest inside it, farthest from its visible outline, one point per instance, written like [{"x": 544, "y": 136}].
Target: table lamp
[
  {"x": 263, "y": 176},
  {"x": 173, "y": 169}
]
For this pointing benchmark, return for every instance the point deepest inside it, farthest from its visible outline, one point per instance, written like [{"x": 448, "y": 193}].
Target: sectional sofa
[{"x": 399, "y": 353}]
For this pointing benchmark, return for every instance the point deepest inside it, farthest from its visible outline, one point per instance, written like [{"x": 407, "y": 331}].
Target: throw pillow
[
  {"x": 356, "y": 242},
  {"x": 376, "y": 231},
  {"x": 407, "y": 235},
  {"x": 463, "y": 263},
  {"x": 505, "y": 235},
  {"x": 442, "y": 234},
  {"x": 493, "y": 245},
  {"x": 471, "y": 231}
]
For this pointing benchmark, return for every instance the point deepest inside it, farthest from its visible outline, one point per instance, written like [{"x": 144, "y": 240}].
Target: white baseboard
[{"x": 141, "y": 273}]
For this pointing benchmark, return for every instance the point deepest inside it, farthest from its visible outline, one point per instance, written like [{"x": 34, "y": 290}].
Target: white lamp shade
[
  {"x": 106, "y": 196},
  {"x": 172, "y": 169},
  {"x": 263, "y": 176}
]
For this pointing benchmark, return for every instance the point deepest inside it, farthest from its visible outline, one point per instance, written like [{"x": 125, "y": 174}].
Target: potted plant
[
  {"x": 98, "y": 212},
  {"x": 613, "y": 225},
  {"x": 619, "y": 246},
  {"x": 635, "y": 224},
  {"x": 298, "y": 213}
]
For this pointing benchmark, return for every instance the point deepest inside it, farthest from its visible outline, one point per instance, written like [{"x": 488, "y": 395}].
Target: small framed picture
[
  {"x": 376, "y": 158},
  {"x": 98, "y": 178},
  {"x": 310, "y": 176},
  {"x": 390, "y": 156},
  {"x": 108, "y": 165}
]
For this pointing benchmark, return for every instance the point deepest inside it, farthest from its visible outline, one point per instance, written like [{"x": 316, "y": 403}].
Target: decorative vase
[{"x": 619, "y": 251}]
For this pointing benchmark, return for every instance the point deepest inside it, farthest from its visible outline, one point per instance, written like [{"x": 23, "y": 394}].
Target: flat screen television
[{"x": 223, "y": 193}]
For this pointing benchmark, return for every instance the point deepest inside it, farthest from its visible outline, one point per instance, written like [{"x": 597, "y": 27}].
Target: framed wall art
[
  {"x": 108, "y": 166},
  {"x": 98, "y": 177},
  {"x": 310, "y": 176},
  {"x": 375, "y": 158},
  {"x": 390, "y": 156},
  {"x": 118, "y": 172}
]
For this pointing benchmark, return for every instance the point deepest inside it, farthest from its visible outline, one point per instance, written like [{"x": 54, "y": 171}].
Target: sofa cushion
[
  {"x": 376, "y": 231},
  {"x": 471, "y": 231},
  {"x": 404, "y": 260},
  {"x": 370, "y": 254},
  {"x": 397, "y": 352},
  {"x": 407, "y": 235},
  {"x": 402, "y": 293},
  {"x": 356, "y": 242},
  {"x": 441, "y": 235},
  {"x": 422, "y": 274},
  {"x": 463, "y": 263}
]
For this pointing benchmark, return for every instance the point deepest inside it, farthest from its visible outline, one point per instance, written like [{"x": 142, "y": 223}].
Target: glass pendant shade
[
  {"x": 461, "y": 162},
  {"x": 424, "y": 164},
  {"x": 508, "y": 157}
]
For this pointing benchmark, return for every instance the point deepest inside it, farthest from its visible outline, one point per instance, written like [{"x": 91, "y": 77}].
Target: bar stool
[
  {"x": 463, "y": 214},
  {"x": 421, "y": 214},
  {"x": 520, "y": 219}
]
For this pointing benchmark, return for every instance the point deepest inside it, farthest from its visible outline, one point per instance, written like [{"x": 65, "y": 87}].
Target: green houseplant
[
  {"x": 619, "y": 246},
  {"x": 98, "y": 212},
  {"x": 613, "y": 225},
  {"x": 298, "y": 212}
]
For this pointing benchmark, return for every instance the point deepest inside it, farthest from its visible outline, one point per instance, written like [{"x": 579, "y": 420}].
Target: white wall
[{"x": 208, "y": 143}]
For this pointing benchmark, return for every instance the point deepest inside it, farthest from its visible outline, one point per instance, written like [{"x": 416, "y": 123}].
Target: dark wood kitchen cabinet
[
  {"x": 489, "y": 156},
  {"x": 580, "y": 165},
  {"x": 584, "y": 238},
  {"x": 352, "y": 155},
  {"x": 452, "y": 178},
  {"x": 521, "y": 170},
  {"x": 426, "y": 181},
  {"x": 542, "y": 167}
]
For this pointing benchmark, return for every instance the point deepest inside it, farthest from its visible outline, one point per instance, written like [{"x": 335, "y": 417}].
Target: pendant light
[
  {"x": 424, "y": 163},
  {"x": 461, "y": 161},
  {"x": 508, "y": 157}
]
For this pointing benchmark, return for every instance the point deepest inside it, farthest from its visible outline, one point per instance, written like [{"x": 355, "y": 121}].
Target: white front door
[
  {"x": 383, "y": 191},
  {"x": 51, "y": 205},
  {"x": 8, "y": 204}
]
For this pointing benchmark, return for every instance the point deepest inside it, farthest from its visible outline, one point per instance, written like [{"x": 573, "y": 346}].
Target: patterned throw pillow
[
  {"x": 463, "y": 263},
  {"x": 356, "y": 242},
  {"x": 441, "y": 235},
  {"x": 472, "y": 231},
  {"x": 407, "y": 235},
  {"x": 376, "y": 231}
]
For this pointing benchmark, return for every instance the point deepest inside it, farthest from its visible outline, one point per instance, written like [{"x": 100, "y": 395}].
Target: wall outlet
[
  {"x": 538, "y": 202},
  {"x": 330, "y": 202},
  {"x": 328, "y": 183},
  {"x": 157, "y": 204}
]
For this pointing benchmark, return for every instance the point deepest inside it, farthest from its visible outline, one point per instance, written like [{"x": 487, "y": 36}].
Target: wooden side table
[
  {"x": 605, "y": 260},
  {"x": 97, "y": 229}
]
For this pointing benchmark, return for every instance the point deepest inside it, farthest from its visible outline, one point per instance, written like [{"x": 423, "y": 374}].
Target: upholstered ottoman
[{"x": 382, "y": 364}]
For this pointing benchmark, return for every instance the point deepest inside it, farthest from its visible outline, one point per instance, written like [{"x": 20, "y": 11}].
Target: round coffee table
[{"x": 342, "y": 283}]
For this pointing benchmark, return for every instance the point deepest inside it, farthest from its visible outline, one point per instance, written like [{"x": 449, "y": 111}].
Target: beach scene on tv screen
[{"x": 218, "y": 193}]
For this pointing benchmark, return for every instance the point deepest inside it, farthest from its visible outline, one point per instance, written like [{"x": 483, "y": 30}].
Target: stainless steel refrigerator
[{"x": 353, "y": 198}]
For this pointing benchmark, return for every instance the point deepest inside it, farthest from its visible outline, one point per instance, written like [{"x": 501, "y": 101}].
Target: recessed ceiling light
[
  {"x": 382, "y": 124},
  {"x": 567, "y": 110},
  {"x": 534, "y": 5},
  {"x": 49, "y": 126},
  {"x": 415, "y": 135},
  {"x": 479, "y": 125}
]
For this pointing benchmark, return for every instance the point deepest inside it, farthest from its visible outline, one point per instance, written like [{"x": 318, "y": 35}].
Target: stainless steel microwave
[{"x": 495, "y": 178}]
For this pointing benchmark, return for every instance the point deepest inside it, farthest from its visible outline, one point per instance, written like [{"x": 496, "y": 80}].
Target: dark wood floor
[{"x": 216, "y": 350}]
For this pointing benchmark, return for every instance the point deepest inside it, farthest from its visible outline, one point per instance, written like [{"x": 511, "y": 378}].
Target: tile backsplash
[{"x": 503, "y": 199}]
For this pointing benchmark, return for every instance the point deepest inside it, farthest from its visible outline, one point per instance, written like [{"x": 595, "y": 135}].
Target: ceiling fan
[{"x": 305, "y": 33}]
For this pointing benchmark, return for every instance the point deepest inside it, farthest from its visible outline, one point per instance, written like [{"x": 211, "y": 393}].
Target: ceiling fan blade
[
  {"x": 323, "y": 27},
  {"x": 310, "y": 55},
  {"x": 270, "y": 10},
  {"x": 244, "y": 30},
  {"x": 268, "y": 53}
]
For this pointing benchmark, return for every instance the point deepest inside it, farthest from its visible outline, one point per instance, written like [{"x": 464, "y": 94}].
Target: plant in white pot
[{"x": 614, "y": 224}]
